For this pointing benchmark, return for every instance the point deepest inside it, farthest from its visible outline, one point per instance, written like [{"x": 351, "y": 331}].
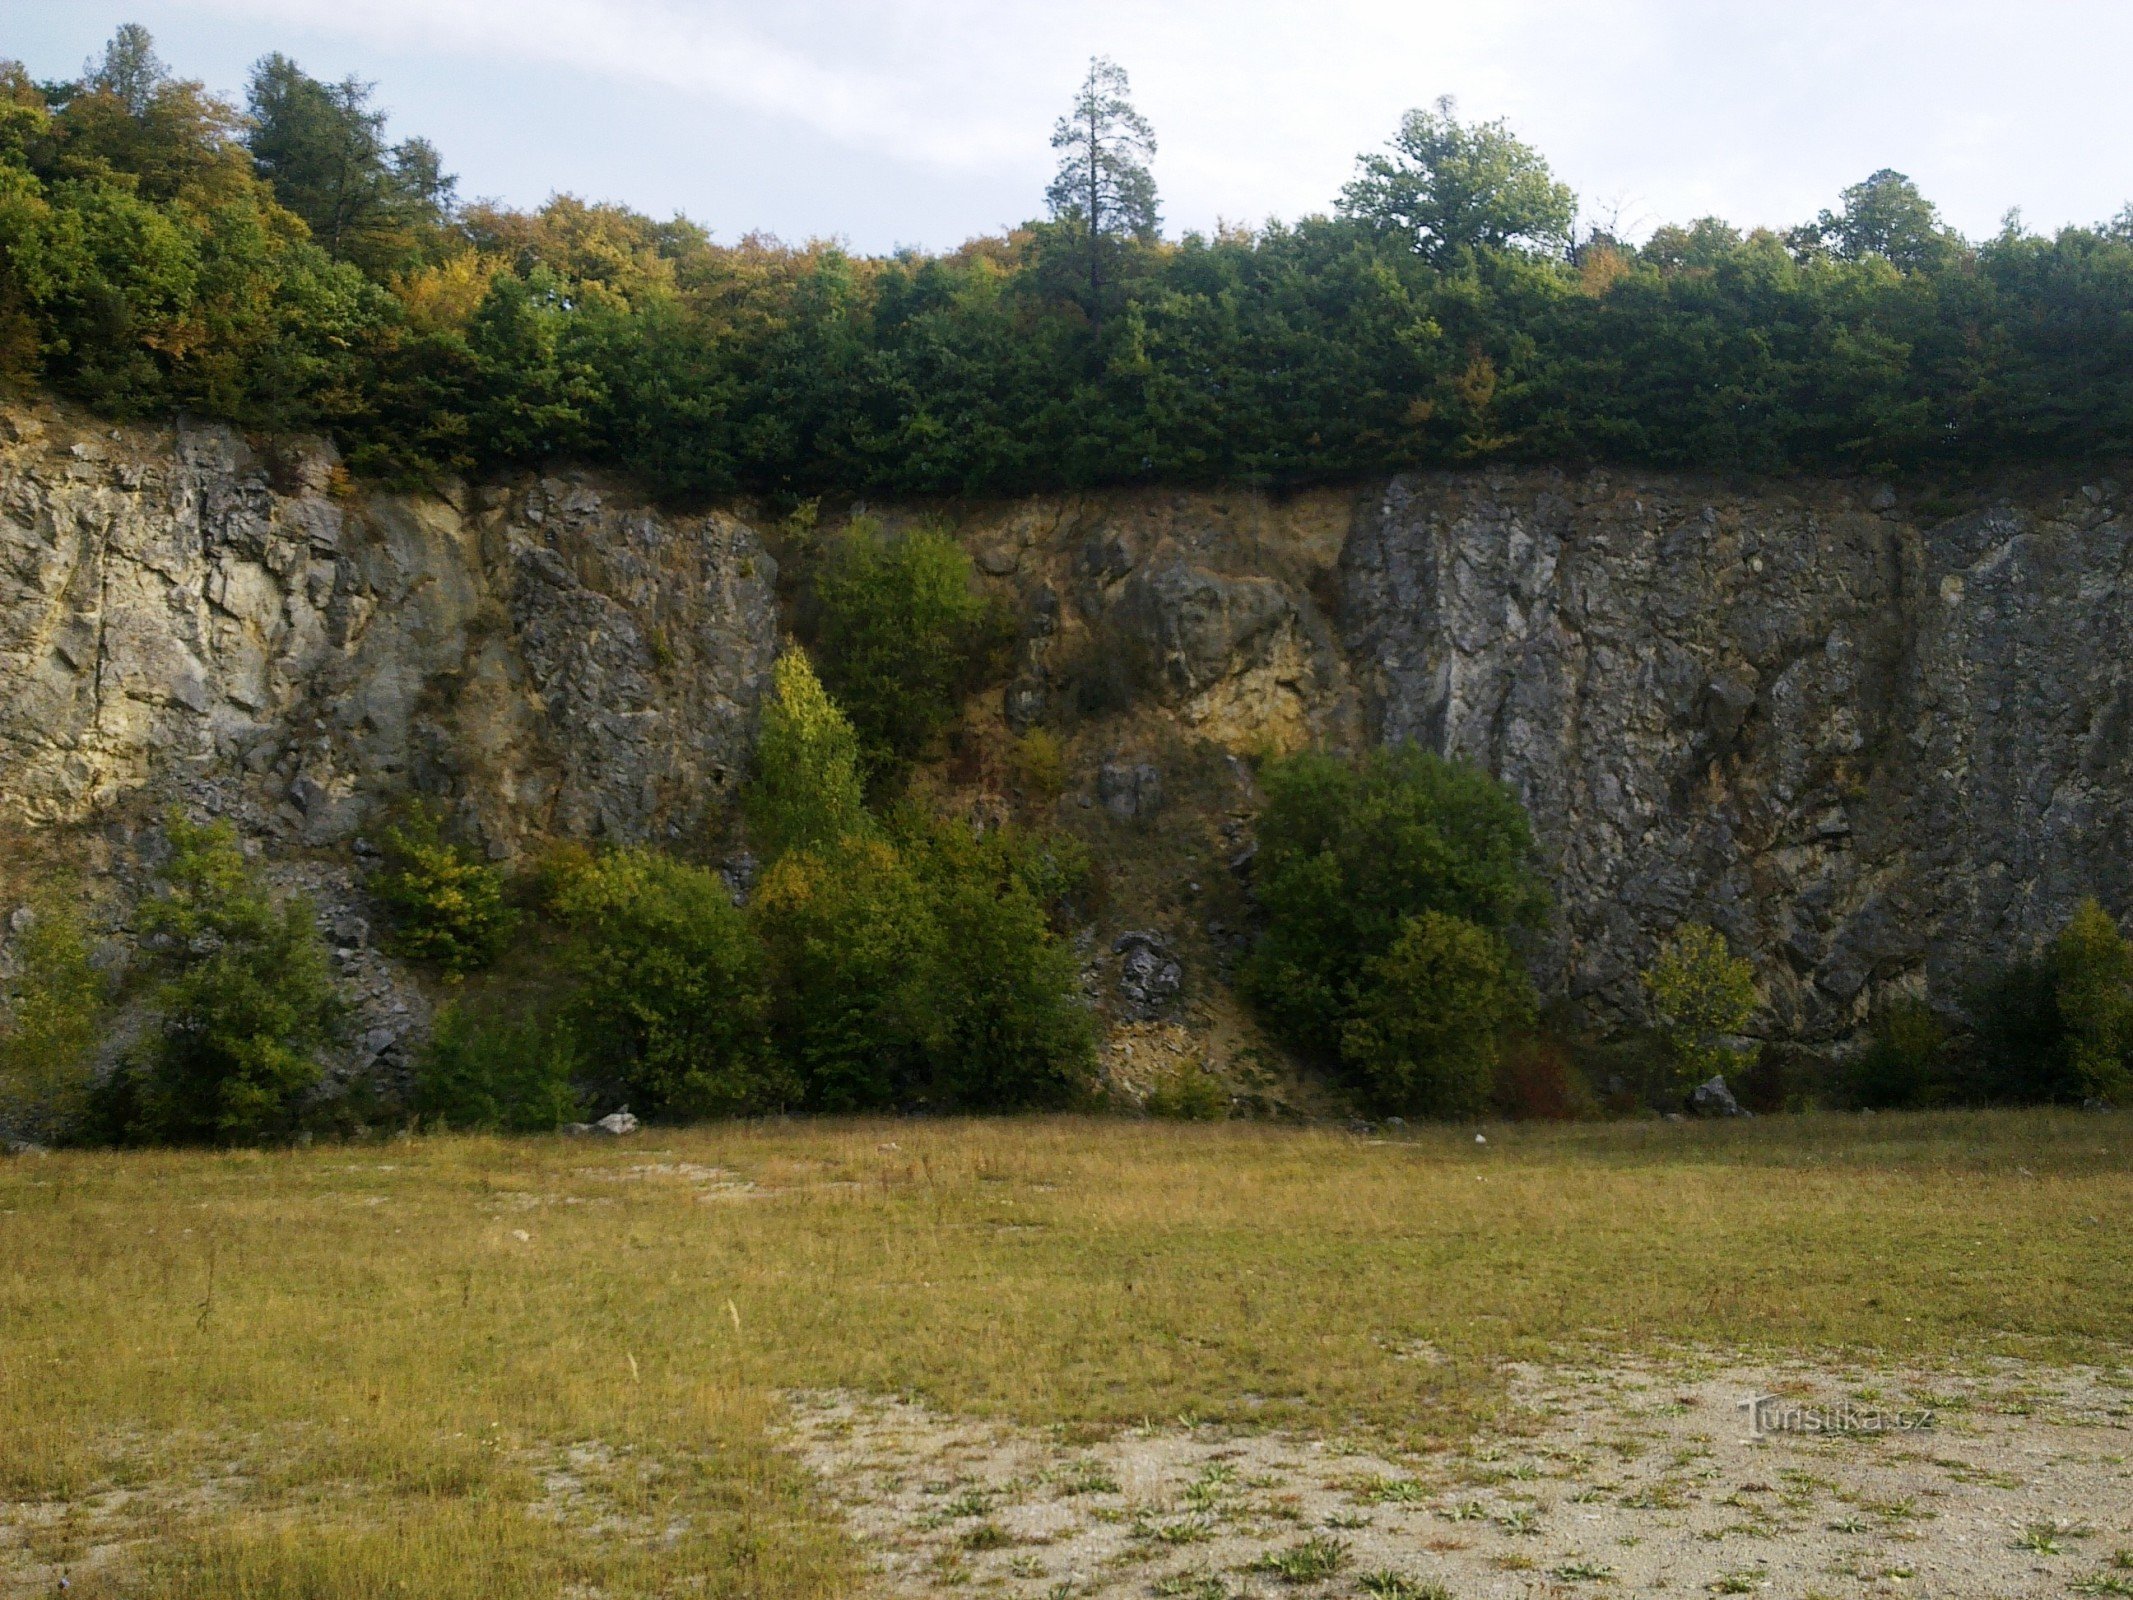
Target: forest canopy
[{"x": 283, "y": 264}]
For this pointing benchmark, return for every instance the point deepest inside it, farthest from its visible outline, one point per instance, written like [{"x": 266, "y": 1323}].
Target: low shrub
[
  {"x": 1538, "y": 1079},
  {"x": 1700, "y": 993},
  {"x": 2017, "y": 1053},
  {"x": 484, "y": 1071},
  {"x": 1187, "y": 1092},
  {"x": 1393, "y": 888},
  {"x": 1430, "y": 1015},
  {"x": 244, "y": 1003},
  {"x": 1907, "y": 1061},
  {"x": 2092, "y": 981},
  {"x": 445, "y": 905},
  {"x": 2058, "y": 1026},
  {"x": 51, "y": 1012},
  {"x": 668, "y": 1006},
  {"x": 1036, "y": 764}
]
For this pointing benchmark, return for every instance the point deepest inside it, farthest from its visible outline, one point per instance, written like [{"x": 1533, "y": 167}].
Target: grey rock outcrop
[
  {"x": 1879, "y": 752},
  {"x": 1129, "y": 789},
  {"x": 185, "y": 617},
  {"x": 1881, "y": 748},
  {"x": 1149, "y": 976},
  {"x": 1714, "y": 1099}
]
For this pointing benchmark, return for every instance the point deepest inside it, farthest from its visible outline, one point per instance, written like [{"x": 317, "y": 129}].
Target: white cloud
[{"x": 1666, "y": 108}]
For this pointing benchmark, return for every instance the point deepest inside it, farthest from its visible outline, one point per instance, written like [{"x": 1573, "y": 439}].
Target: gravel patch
[{"x": 2000, "y": 1480}]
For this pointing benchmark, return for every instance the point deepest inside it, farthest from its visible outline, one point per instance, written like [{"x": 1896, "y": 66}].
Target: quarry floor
[{"x": 2007, "y": 1480}]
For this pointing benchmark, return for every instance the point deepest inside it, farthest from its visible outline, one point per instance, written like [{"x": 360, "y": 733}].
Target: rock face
[
  {"x": 183, "y": 616},
  {"x": 1881, "y": 748},
  {"x": 1874, "y": 749}
]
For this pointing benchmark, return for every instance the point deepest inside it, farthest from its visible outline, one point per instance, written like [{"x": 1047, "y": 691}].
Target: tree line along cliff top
[{"x": 285, "y": 266}]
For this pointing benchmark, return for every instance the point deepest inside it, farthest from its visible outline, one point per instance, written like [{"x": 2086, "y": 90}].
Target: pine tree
[{"x": 1104, "y": 184}]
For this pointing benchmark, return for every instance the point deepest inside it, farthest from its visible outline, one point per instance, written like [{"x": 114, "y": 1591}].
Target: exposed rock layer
[
  {"x": 1872, "y": 745},
  {"x": 180, "y": 613},
  {"x": 1873, "y": 751}
]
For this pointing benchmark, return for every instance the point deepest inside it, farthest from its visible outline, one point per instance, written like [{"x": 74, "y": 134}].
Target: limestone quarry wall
[
  {"x": 1875, "y": 742},
  {"x": 183, "y": 615}
]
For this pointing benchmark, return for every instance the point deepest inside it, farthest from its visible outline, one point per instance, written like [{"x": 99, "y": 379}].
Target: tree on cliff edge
[
  {"x": 1450, "y": 186},
  {"x": 1104, "y": 188}
]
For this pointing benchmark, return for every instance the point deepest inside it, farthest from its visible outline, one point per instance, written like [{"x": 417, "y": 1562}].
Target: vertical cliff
[
  {"x": 1877, "y": 748},
  {"x": 1882, "y": 743},
  {"x": 187, "y": 616}
]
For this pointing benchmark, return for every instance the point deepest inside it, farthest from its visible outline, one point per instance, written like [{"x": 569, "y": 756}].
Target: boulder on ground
[{"x": 1714, "y": 1099}]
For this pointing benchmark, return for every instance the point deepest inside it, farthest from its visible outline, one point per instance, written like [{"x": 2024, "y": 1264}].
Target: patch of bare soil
[{"x": 2000, "y": 1481}]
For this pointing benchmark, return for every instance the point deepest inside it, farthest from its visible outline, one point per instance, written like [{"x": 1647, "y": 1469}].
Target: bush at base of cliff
[
  {"x": 849, "y": 943},
  {"x": 1008, "y": 1026},
  {"x": 911, "y": 962},
  {"x": 919, "y": 969},
  {"x": 1430, "y": 1015},
  {"x": 1348, "y": 851},
  {"x": 447, "y": 906},
  {"x": 1700, "y": 992},
  {"x": 1907, "y": 1062},
  {"x": 1538, "y": 1079},
  {"x": 2058, "y": 1025},
  {"x": 50, "y": 1018},
  {"x": 244, "y": 1003},
  {"x": 1187, "y": 1092},
  {"x": 2092, "y": 980},
  {"x": 669, "y": 1004},
  {"x": 481, "y": 1071}
]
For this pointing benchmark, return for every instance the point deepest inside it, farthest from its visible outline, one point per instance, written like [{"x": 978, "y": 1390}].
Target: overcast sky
[{"x": 922, "y": 122}]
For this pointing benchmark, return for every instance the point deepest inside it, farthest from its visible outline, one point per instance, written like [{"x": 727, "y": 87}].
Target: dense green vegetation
[
  {"x": 902, "y": 635},
  {"x": 882, "y": 961},
  {"x": 2054, "y": 1024},
  {"x": 286, "y": 266},
  {"x": 50, "y": 1016},
  {"x": 243, "y": 1000},
  {"x": 447, "y": 907},
  {"x": 1394, "y": 889},
  {"x": 883, "y": 958}
]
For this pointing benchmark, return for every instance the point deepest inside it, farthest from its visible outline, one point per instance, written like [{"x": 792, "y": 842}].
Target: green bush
[
  {"x": 2018, "y": 1040},
  {"x": 243, "y": 1001},
  {"x": 851, "y": 943},
  {"x": 1006, "y": 1023},
  {"x": 2092, "y": 981},
  {"x": 1186, "y": 1091},
  {"x": 668, "y": 1006},
  {"x": 1699, "y": 993},
  {"x": 902, "y": 635},
  {"x": 50, "y": 1019},
  {"x": 446, "y": 905},
  {"x": 1430, "y": 1016},
  {"x": 1351, "y": 855},
  {"x": 496, "y": 1073},
  {"x": 2057, "y": 1026},
  {"x": 807, "y": 789},
  {"x": 1906, "y": 1061},
  {"x": 917, "y": 966}
]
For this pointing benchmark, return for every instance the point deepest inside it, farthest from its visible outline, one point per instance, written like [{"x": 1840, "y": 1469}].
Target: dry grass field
[{"x": 478, "y": 1367}]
